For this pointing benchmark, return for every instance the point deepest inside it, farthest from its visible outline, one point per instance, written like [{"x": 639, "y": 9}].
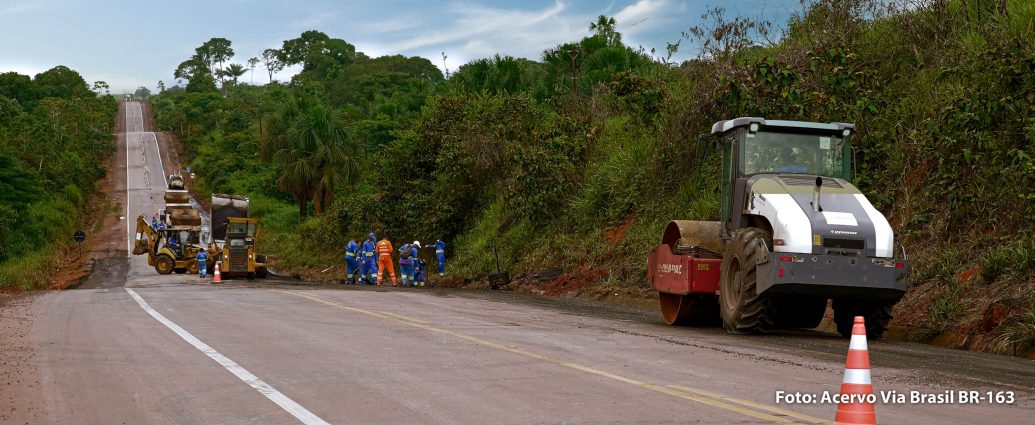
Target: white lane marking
[
  {"x": 159, "y": 150},
  {"x": 289, "y": 405},
  {"x": 129, "y": 231}
]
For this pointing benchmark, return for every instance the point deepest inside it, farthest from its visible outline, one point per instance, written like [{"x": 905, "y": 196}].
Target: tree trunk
[{"x": 322, "y": 200}]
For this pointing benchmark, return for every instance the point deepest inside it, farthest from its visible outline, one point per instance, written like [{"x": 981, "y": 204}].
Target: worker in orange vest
[{"x": 384, "y": 260}]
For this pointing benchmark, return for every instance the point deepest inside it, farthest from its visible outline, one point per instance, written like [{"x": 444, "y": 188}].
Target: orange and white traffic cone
[
  {"x": 856, "y": 383},
  {"x": 216, "y": 278}
]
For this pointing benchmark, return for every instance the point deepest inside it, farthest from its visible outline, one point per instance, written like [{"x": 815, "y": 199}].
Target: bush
[{"x": 1011, "y": 257}]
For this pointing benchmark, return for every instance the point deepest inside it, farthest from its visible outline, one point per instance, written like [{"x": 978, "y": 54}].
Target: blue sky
[{"x": 134, "y": 43}]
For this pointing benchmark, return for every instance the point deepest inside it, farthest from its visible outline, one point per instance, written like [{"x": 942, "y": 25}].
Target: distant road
[{"x": 135, "y": 347}]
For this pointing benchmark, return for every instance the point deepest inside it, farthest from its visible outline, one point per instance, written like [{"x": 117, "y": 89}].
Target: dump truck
[
  {"x": 793, "y": 233},
  {"x": 235, "y": 235}
]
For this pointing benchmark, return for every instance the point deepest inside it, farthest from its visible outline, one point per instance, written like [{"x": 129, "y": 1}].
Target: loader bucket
[{"x": 142, "y": 241}]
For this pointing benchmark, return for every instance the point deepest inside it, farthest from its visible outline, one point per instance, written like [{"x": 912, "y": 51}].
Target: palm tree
[
  {"x": 309, "y": 141},
  {"x": 233, "y": 72},
  {"x": 605, "y": 27}
]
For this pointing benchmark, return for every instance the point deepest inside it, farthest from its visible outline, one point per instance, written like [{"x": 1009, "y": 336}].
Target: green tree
[
  {"x": 198, "y": 75},
  {"x": 316, "y": 153},
  {"x": 272, "y": 59},
  {"x": 605, "y": 27},
  {"x": 9, "y": 109},
  {"x": 498, "y": 75},
  {"x": 18, "y": 186},
  {"x": 321, "y": 57},
  {"x": 215, "y": 52},
  {"x": 234, "y": 71},
  {"x": 142, "y": 93},
  {"x": 101, "y": 85},
  {"x": 19, "y": 88},
  {"x": 60, "y": 81}
]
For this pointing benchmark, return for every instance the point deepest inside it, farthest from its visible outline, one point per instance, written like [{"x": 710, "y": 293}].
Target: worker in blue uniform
[
  {"x": 351, "y": 261},
  {"x": 406, "y": 264},
  {"x": 369, "y": 270},
  {"x": 415, "y": 254},
  {"x": 440, "y": 257},
  {"x": 202, "y": 259}
]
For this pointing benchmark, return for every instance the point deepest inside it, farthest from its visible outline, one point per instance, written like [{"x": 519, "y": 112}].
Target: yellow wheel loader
[{"x": 178, "y": 258}]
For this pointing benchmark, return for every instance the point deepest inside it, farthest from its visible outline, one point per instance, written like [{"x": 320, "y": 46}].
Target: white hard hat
[{"x": 417, "y": 243}]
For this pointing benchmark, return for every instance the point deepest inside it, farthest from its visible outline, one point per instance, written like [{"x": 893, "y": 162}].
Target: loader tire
[
  {"x": 192, "y": 267},
  {"x": 798, "y": 311},
  {"x": 877, "y": 315},
  {"x": 165, "y": 264},
  {"x": 689, "y": 310},
  {"x": 743, "y": 309}
]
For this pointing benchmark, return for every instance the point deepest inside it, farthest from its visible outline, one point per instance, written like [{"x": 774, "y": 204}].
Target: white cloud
[
  {"x": 480, "y": 31},
  {"x": 642, "y": 9}
]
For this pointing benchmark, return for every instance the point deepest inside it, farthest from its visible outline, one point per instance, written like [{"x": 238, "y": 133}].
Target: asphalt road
[{"x": 131, "y": 346}]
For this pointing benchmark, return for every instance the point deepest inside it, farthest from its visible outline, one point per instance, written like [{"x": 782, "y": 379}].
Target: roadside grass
[
  {"x": 949, "y": 307},
  {"x": 1018, "y": 337},
  {"x": 942, "y": 266},
  {"x": 29, "y": 271},
  {"x": 1012, "y": 257}
]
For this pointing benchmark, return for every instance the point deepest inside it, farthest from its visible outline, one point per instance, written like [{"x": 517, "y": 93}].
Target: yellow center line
[
  {"x": 714, "y": 400},
  {"x": 406, "y": 318},
  {"x": 771, "y": 409}
]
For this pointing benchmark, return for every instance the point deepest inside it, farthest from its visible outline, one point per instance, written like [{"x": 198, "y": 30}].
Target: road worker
[
  {"x": 440, "y": 257},
  {"x": 415, "y": 254},
  {"x": 202, "y": 259},
  {"x": 154, "y": 222},
  {"x": 420, "y": 266},
  {"x": 384, "y": 260},
  {"x": 406, "y": 264},
  {"x": 173, "y": 244},
  {"x": 368, "y": 272},
  {"x": 351, "y": 261}
]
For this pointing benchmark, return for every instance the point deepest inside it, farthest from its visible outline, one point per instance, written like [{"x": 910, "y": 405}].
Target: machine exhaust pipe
[{"x": 815, "y": 195}]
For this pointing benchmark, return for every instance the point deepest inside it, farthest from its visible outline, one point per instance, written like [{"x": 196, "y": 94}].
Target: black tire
[
  {"x": 192, "y": 267},
  {"x": 164, "y": 264},
  {"x": 743, "y": 309},
  {"x": 689, "y": 310},
  {"x": 799, "y": 311},
  {"x": 877, "y": 315}
]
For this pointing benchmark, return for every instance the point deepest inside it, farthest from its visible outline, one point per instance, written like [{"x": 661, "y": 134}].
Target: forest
[{"x": 55, "y": 139}]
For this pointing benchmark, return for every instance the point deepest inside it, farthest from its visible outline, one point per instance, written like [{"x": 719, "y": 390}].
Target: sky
[{"x": 130, "y": 44}]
